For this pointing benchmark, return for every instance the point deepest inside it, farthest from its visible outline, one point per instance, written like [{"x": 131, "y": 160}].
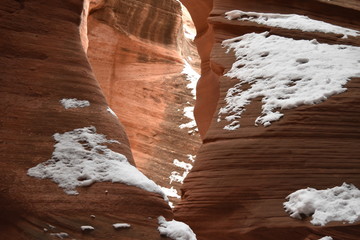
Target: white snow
[
  {"x": 189, "y": 113},
  {"x": 175, "y": 176},
  {"x": 286, "y": 73},
  {"x": 74, "y": 103},
  {"x": 121, "y": 225},
  {"x": 175, "y": 230},
  {"x": 81, "y": 159},
  {"x": 290, "y": 21},
  {"x": 87, "y": 228},
  {"x": 171, "y": 192},
  {"x": 192, "y": 76},
  {"x": 111, "y": 111},
  {"x": 60, "y": 235},
  {"x": 191, "y": 157},
  {"x": 326, "y": 238},
  {"x": 333, "y": 204}
]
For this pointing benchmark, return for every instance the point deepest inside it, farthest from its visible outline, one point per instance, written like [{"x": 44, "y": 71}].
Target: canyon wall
[
  {"x": 129, "y": 55},
  {"x": 241, "y": 177},
  {"x": 137, "y": 51},
  {"x": 42, "y": 60}
]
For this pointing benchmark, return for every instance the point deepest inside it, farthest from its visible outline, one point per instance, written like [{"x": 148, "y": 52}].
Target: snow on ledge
[
  {"x": 326, "y": 238},
  {"x": 175, "y": 230},
  {"x": 290, "y": 21},
  {"x": 87, "y": 228},
  {"x": 171, "y": 192},
  {"x": 286, "y": 73},
  {"x": 74, "y": 103},
  {"x": 333, "y": 204},
  {"x": 192, "y": 76},
  {"x": 121, "y": 225},
  {"x": 80, "y": 159},
  {"x": 60, "y": 235},
  {"x": 111, "y": 111}
]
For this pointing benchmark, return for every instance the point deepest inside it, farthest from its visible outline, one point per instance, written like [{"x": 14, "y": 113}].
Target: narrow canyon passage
[
  {"x": 90, "y": 89},
  {"x": 146, "y": 71}
]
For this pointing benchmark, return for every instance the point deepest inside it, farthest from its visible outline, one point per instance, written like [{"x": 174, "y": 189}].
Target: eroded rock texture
[
  {"x": 241, "y": 177},
  {"x": 137, "y": 50},
  {"x": 42, "y": 61}
]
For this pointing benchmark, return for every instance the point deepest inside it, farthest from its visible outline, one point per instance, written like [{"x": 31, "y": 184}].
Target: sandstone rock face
[
  {"x": 129, "y": 55},
  {"x": 137, "y": 51},
  {"x": 42, "y": 61},
  {"x": 241, "y": 178},
  {"x": 207, "y": 93}
]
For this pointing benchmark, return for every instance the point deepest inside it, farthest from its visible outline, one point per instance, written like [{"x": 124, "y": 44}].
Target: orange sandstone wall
[
  {"x": 42, "y": 61},
  {"x": 136, "y": 49},
  {"x": 241, "y": 178}
]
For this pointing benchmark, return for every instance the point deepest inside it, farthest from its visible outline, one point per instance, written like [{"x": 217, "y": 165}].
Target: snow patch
[
  {"x": 333, "y": 204},
  {"x": 192, "y": 76},
  {"x": 121, "y": 225},
  {"x": 170, "y": 192},
  {"x": 74, "y": 103},
  {"x": 175, "y": 230},
  {"x": 111, "y": 111},
  {"x": 286, "y": 73},
  {"x": 326, "y": 238},
  {"x": 189, "y": 113},
  {"x": 80, "y": 159},
  {"x": 175, "y": 176},
  {"x": 191, "y": 157},
  {"x": 87, "y": 228},
  {"x": 290, "y": 21},
  {"x": 60, "y": 235}
]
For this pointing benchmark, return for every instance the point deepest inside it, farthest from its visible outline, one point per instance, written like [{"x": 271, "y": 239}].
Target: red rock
[
  {"x": 42, "y": 61},
  {"x": 135, "y": 49},
  {"x": 241, "y": 178}
]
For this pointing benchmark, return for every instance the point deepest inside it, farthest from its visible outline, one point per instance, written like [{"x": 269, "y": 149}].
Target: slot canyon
[{"x": 227, "y": 117}]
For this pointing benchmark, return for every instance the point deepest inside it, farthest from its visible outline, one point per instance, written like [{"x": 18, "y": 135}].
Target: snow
[
  {"x": 60, "y": 235},
  {"x": 333, "y": 204},
  {"x": 189, "y": 113},
  {"x": 171, "y": 192},
  {"x": 326, "y": 238},
  {"x": 290, "y": 21},
  {"x": 286, "y": 73},
  {"x": 121, "y": 225},
  {"x": 80, "y": 159},
  {"x": 175, "y": 176},
  {"x": 175, "y": 230},
  {"x": 111, "y": 111},
  {"x": 87, "y": 228},
  {"x": 192, "y": 76},
  {"x": 74, "y": 103},
  {"x": 191, "y": 157}
]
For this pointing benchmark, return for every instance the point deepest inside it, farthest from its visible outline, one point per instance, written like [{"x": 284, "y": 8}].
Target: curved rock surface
[
  {"x": 241, "y": 178},
  {"x": 41, "y": 62},
  {"x": 137, "y": 51}
]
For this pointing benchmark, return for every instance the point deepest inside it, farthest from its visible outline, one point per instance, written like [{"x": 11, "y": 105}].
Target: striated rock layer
[
  {"x": 137, "y": 51},
  {"x": 241, "y": 178},
  {"x": 42, "y": 61}
]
